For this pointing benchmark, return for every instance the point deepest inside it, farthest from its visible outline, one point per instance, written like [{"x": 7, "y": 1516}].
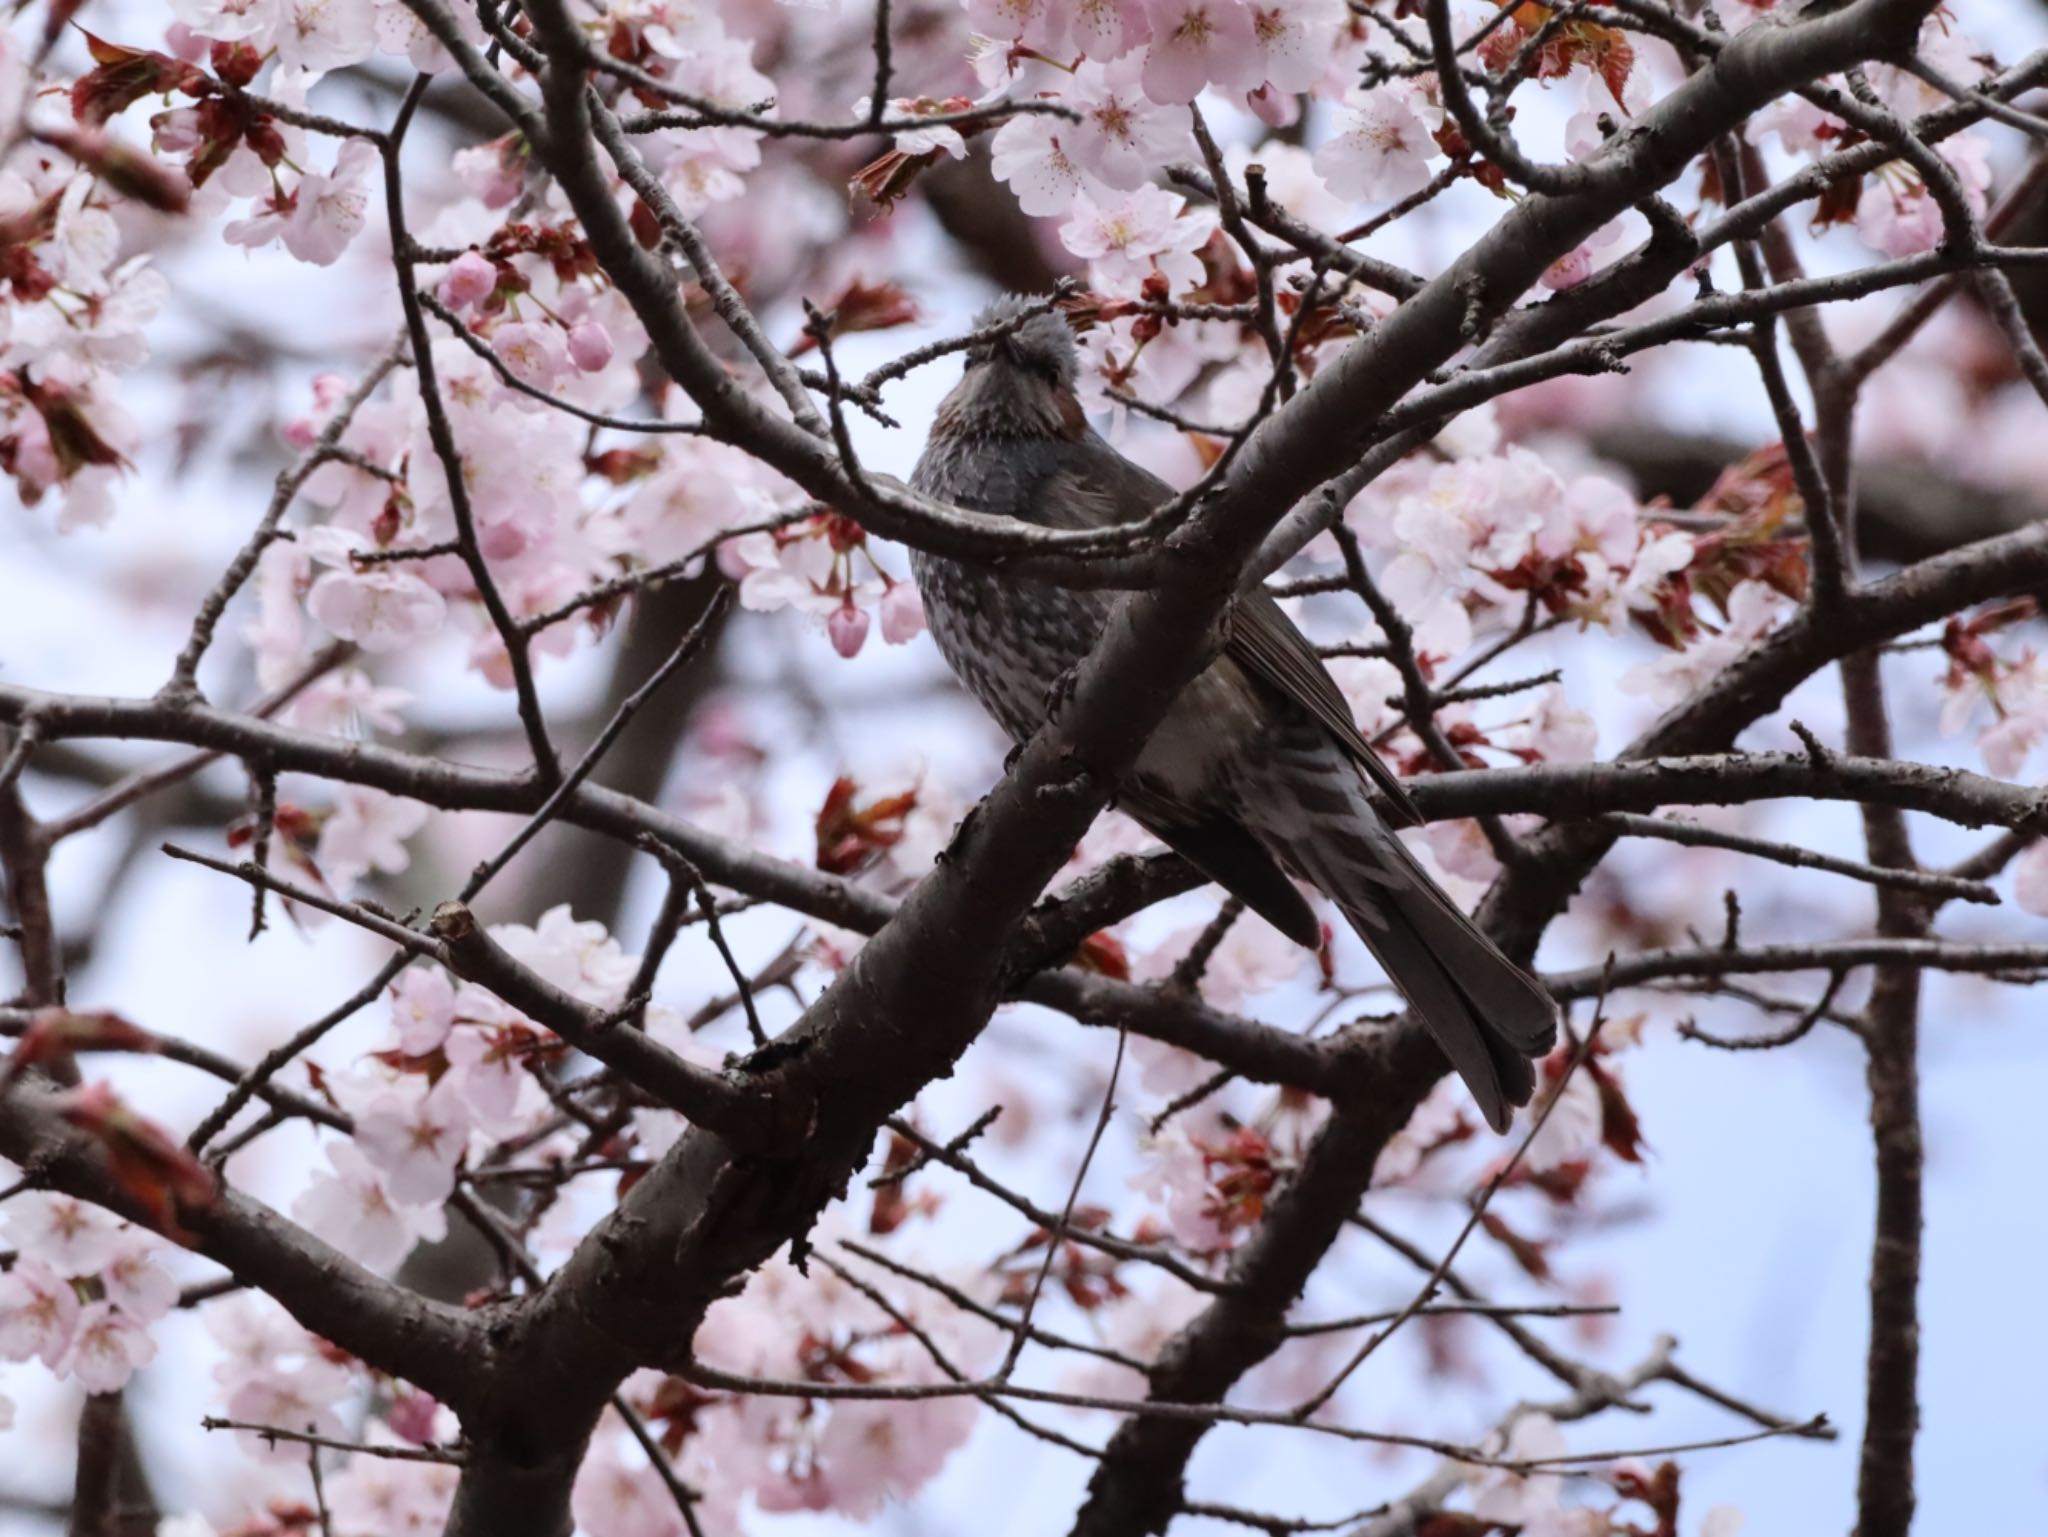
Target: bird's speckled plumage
[{"x": 1257, "y": 773}]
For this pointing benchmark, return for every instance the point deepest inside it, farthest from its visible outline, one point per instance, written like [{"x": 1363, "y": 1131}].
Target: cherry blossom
[
  {"x": 2030, "y": 879},
  {"x": 1196, "y": 43},
  {"x": 615, "y": 1498},
  {"x": 321, "y": 215},
  {"x": 392, "y": 1498},
  {"x": 367, "y": 831},
  {"x": 423, "y": 1008},
  {"x": 1037, "y": 24},
  {"x": 1753, "y": 610},
  {"x": 1030, "y": 154},
  {"x": 848, "y": 628},
  {"x": 1177, "y": 1177},
  {"x": 70, "y": 1236},
  {"x": 350, "y": 1208},
  {"x": 314, "y": 36},
  {"x": 488, "y": 1071},
  {"x": 382, "y": 609},
  {"x": 1898, "y": 216},
  {"x": 135, "y": 1282},
  {"x": 413, "y": 1137},
  {"x": 578, "y": 957},
  {"x": 902, "y": 613},
  {"x": 1572, "y": 1130},
  {"x": 939, "y": 139},
  {"x": 817, "y": 567},
  {"x": 1127, "y": 238},
  {"x": 1109, "y": 29},
  {"x": 469, "y": 278},
  {"x": 1520, "y": 1499},
  {"x": 39, "y": 1313},
  {"x": 1384, "y": 150},
  {"x": 108, "y": 1346},
  {"x": 350, "y": 703},
  {"x": 1123, "y": 135},
  {"x": 590, "y": 346},
  {"x": 1292, "y": 41},
  {"x": 299, "y": 1397},
  {"x": 536, "y": 352},
  {"x": 1252, "y": 958}
]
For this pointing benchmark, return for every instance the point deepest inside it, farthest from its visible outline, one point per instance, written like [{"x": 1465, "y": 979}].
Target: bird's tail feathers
[{"x": 1489, "y": 1016}]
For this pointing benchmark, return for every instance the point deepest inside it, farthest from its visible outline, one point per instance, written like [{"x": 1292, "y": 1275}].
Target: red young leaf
[
  {"x": 59, "y": 1033},
  {"x": 126, "y": 75},
  {"x": 152, "y": 1169}
]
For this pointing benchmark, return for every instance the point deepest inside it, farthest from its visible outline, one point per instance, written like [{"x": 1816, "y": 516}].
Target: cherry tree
[{"x": 753, "y": 1090}]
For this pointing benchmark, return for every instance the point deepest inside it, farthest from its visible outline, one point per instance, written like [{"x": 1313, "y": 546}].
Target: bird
[{"x": 1258, "y": 775}]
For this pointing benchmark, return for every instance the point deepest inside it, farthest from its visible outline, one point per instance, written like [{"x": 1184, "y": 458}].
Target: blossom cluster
[{"x": 82, "y": 1292}]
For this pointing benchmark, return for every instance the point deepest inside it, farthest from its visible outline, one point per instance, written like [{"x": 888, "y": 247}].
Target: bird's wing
[
  {"x": 1266, "y": 644},
  {"x": 1103, "y": 487},
  {"x": 1229, "y": 855}
]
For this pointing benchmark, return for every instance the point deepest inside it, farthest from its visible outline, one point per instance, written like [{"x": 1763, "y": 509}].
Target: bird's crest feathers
[{"x": 1042, "y": 343}]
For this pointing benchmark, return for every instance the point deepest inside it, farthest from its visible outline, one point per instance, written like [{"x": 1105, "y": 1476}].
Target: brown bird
[{"x": 1258, "y": 772}]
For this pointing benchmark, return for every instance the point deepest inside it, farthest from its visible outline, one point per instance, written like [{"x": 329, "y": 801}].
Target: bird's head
[{"x": 1020, "y": 383}]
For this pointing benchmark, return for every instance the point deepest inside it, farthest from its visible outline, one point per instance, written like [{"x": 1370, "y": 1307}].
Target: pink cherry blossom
[
  {"x": 590, "y": 346},
  {"x": 423, "y": 1009},
  {"x": 321, "y": 35},
  {"x": 351, "y": 1209},
  {"x": 1196, "y": 43},
  {"x": 1438, "y": 1116},
  {"x": 1038, "y": 24},
  {"x": 902, "y": 613},
  {"x": 367, "y": 831},
  {"x": 330, "y": 209},
  {"x": 300, "y": 1398},
  {"x": 70, "y": 1236},
  {"x": 2030, "y": 879},
  {"x": 1030, "y": 155},
  {"x": 1123, "y": 136},
  {"x": 1896, "y": 214},
  {"x": 414, "y": 1417},
  {"x": 578, "y": 957},
  {"x": 848, "y": 628},
  {"x": 135, "y": 1282},
  {"x": 1383, "y": 151},
  {"x": 489, "y": 1076},
  {"x": 872, "y": 1453},
  {"x": 414, "y": 1138},
  {"x": 1109, "y": 29},
  {"x": 38, "y": 1312},
  {"x": 228, "y": 21},
  {"x": 1521, "y": 1499},
  {"x": 535, "y": 352},
  {"x": 1572, "y": 1129},
  {"x": 383, "y": 609},
  {"x": 1253, "y": 958},
  {"x": 1127, "y": 237},
  {"x": 107, "y": 1348},
  {"x": 1557, "y": 732},
  {"x": 616, "y": 1498},
  {"x": 392, "y": 1498},
  {"x": 1569, "y": 270},
  {"x": 470, "y": 277},
  {"x": 349, "y": 703},
  {"x": 940, "y": 139},
  {"x": 1292, "y": 41},
  {"x": 1177, "y": 1178}
]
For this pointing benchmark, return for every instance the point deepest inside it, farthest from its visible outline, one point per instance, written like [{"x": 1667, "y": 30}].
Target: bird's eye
[{"x": 976, "y": 356}]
